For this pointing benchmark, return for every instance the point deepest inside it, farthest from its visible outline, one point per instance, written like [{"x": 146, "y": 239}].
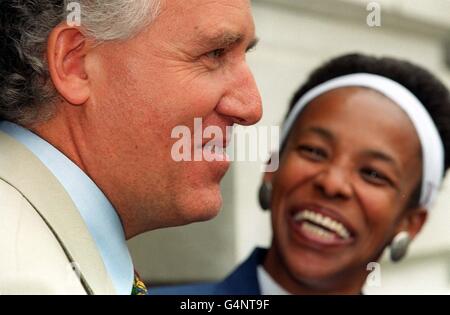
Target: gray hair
[{"x": 27, "y": 94}]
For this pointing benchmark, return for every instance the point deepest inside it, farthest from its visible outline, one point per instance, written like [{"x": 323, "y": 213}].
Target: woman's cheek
[
  {"x": 379, "y": 207},
  {"x": 298, "y": 170}
]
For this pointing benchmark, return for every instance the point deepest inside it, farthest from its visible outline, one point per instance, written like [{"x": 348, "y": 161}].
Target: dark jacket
[{"x": 242, "y": 281}]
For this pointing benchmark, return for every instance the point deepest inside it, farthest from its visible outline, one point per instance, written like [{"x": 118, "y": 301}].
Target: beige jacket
[{"x": 45, "y": 246}]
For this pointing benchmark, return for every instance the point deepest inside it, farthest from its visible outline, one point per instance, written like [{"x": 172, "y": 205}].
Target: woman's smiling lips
[{"x": 319, "y": 227}]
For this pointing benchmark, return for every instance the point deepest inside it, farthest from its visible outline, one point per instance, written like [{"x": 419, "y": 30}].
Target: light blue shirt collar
[
  {"x": 97, "y": 212},
  {"x": 267, "y": 284}
]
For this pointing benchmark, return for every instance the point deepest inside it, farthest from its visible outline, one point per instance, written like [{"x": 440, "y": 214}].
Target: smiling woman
[{"x": 343, "y": 194}]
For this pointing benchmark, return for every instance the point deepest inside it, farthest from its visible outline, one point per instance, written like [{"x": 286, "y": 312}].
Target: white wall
[{"x": 296, "y": 36}]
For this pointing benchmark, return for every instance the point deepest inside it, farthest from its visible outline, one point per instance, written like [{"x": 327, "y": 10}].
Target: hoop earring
[
  {"x": 399, "y": 246},
  {"x": 265, "y": 195}
]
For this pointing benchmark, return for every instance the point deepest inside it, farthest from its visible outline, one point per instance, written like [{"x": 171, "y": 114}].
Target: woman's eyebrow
[
  {"x": 379, "y": 155},
  {"x": 322, "y": 132}
]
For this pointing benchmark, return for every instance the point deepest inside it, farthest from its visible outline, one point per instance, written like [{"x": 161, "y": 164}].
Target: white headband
[{"x": 432, "y": 146}]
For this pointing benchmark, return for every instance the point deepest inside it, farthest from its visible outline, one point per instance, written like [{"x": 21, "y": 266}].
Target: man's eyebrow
[
  {"x": 224, "y": 39},
  {"x": 220, "y": 39}
]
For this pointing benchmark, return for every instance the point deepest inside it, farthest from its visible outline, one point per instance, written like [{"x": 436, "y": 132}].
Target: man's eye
[
  {"x": 374, "y": 176},
  {"x": 316, "y": 154},
  {"x": 215, "y": 54}
]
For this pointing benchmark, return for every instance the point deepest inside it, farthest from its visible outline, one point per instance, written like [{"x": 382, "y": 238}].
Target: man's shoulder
[
  {"x": 32, "y": 259},
  {"x": 42, "y": 230},
  {"x": 17, "y": 215}
]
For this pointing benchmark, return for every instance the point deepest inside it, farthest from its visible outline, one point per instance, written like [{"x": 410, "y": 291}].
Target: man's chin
[
  {"x": 202, "y": 206},
  {"x": 209, "y": 209}
]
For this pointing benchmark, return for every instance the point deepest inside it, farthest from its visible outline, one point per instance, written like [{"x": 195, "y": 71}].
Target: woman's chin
[{"x": 313, "y": 267}]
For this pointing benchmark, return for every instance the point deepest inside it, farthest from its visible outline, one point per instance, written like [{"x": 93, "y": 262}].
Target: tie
[{"x": 139, "y": 287}]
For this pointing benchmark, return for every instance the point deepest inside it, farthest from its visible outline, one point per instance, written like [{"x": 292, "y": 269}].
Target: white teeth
[
  {"x": 324, "y": 221},
  {"x": 318, "y": 231}
]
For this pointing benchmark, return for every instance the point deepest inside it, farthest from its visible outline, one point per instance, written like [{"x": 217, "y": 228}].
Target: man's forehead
[
  {"x": 218, "y": 19},
  {"x": 202, "y": 3},
  {"x": 225, "y": 30},
  {"x": 212, "y": 8},
  {"x": 209, "y": 24}
]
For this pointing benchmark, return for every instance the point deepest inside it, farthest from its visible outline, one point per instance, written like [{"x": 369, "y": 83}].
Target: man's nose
[
  {"x": 243, "y": 101},
  {"x": 334, "y": 182}
]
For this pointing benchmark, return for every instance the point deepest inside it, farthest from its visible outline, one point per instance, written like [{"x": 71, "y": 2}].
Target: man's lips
[
  {"x": 320, "y": 226},
  {"x": 222, "y": 141},
  {"x": 221, "y": 145},
  {"x": 215, "y": 148}
]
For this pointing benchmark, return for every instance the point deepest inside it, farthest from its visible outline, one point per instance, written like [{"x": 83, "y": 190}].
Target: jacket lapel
[{"x": 25, "y": 172}]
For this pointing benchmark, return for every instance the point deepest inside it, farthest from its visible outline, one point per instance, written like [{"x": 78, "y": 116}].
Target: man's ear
[
  {"x": 413, "y": 221},
  {"x": 66, "y": 50}
]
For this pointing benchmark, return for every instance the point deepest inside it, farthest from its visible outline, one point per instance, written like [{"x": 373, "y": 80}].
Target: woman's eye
[
  {"x": 374, "y": 176},
  {"x": 313, "y": 153},
  {"x": 215, "y": 54}
]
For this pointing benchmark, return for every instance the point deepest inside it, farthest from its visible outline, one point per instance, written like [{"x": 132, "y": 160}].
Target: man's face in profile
[{"x": 189, "y": 63}]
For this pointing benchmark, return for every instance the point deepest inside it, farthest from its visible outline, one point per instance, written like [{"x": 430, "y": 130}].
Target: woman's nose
[{"x": 334, "y": 182}]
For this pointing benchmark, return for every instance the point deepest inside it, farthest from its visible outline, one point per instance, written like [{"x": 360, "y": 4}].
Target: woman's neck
[{"x": 343, "y": 284}]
